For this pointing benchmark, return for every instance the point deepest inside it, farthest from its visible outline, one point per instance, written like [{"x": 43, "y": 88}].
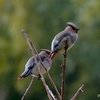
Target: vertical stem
[
  {"x": 63, "y": 75},
  {"x": 59, "y": 96},
  {"x": 44, "y": 83}
]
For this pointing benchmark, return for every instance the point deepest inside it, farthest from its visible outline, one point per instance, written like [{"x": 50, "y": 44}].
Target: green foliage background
[{"x": 43, "y": 19}]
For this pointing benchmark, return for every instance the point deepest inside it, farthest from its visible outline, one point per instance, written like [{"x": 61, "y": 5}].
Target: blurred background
[{"x": 42, "y": 20}]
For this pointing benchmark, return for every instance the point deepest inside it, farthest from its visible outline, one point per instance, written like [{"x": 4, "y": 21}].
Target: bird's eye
[{"x": 74, "y": 29}]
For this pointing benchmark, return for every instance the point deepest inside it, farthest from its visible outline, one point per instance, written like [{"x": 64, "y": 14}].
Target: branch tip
[
  {"x": 81, "y": 88},
  {"x": 23, "y": 31},
  {"x": 78, "y": 92}
]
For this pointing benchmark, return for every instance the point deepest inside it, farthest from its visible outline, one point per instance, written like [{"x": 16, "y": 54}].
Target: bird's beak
[
  {"x": 52, "y": 55},
  {"x": 77, "y": 30},
  {"x": 25, "y": 74}
]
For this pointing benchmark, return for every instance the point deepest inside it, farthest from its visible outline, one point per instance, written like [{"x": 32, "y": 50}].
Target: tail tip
[{"x": 18, "y": 78}]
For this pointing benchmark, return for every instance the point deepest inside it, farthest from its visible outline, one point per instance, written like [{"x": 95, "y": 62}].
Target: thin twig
[
  {"x": 34, "y": 52},
  {"x": 28, "y": 42},
  {"x": 44, "y": 83},
  {"x": 54, "y": 86},
  {"x": 51, "y": 79},
  {"x": 28, "y": 88},
  {"x": 51, "y": 93},
  {"x": 63, "y": 75},
  {"x": 78, "y": 92}
]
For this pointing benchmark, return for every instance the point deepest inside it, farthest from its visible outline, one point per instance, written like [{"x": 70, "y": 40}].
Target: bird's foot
[
  {"x": 61, "y": 66},
  {"x": 65, "y": 55},
  {"x": 39, "y": 76}
]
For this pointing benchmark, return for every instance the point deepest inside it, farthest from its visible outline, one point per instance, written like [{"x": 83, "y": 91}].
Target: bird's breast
[{"x": 72, "y": 39}]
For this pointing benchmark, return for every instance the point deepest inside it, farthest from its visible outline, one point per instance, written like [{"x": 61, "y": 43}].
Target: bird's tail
[{"x": 25, "y": 74}]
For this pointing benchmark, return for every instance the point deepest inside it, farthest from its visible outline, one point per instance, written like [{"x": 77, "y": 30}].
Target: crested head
[
  {"x": 45, "y": 52},
  {"x": 73, "y": 26}
]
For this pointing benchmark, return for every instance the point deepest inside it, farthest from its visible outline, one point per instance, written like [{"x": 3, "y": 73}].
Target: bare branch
[
  {"x": 54, "y": 86},
  {"x": 34, "y": 52},
  {"x": 44, "y": 83},
  {"x": 51, "y": 93},
  {"x": 28, "y": 42},
  {"x": 78, "y": 92},
  {"x": 28, "y": 88},
  {"x": 63, "y": 74},
  {"x": 50, "y": 78}
]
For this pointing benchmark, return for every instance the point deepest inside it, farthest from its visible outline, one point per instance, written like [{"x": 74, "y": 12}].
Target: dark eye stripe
[{"x": 73, "y": 27}]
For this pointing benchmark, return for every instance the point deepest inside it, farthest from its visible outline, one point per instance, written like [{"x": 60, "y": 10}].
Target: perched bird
[
  {"x": 31, "y": 66},
  {"x": 64, "y": 39}
]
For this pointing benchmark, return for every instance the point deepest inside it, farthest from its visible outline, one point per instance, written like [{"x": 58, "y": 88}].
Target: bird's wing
[
  {"x": 25, "y": 73},
  {"x": 57, "y": 40}
]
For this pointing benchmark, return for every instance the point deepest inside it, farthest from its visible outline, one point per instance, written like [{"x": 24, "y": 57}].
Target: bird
[
  {"x": 31, "y": 65},
  {"x": 64, "y": 40}
]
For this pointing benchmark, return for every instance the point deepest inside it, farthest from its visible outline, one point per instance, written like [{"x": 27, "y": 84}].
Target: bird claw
[
  {"x": 39, "y": 76},
  {"x": 65, "y": 55},
  {"x": 61, "y": 66}
]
